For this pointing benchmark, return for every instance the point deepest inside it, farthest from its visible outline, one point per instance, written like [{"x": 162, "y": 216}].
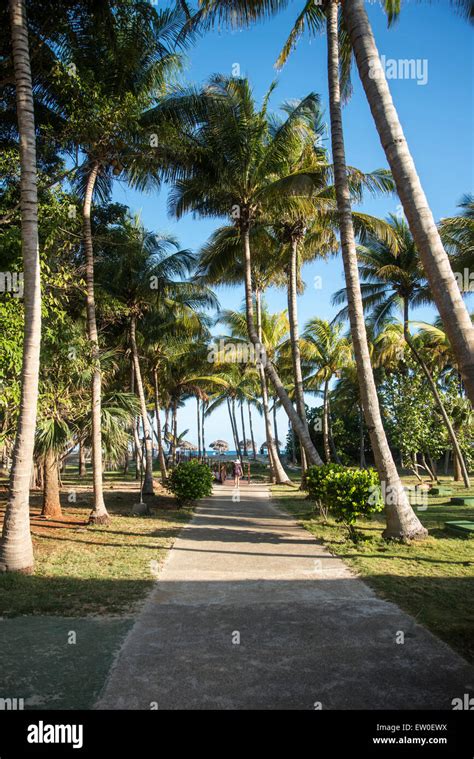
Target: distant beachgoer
[{"x": 237, "y": 472}]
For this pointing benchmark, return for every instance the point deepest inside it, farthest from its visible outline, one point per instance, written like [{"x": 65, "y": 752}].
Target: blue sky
[{"x": 437, "y": 119}]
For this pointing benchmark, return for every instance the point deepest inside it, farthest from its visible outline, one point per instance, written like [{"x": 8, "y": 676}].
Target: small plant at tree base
[
  {"x": 316, "y": 483},
  {"x": 346, "y": 493},
  {"x": 190, "y": 481}
]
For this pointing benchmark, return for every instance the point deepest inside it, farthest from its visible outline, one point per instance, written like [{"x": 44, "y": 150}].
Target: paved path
[{"x": 310, "y": 632}]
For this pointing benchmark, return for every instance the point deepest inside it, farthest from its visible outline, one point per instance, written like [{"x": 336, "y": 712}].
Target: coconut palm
[
  {"x": 355, "y": 30},
  {"x": 393, "y": 279},
  {"x": 325, "y": 353},
  {"x": 139, "y": 269},
  {"x": 435, "y": 261},
  {"x": 101, "y": 108},
  {"x": 401, "y": 519},
  {"x": 221, "y": 262},
  {"x": 220, "y": 178},
  {"x": 16, "y": 550}
]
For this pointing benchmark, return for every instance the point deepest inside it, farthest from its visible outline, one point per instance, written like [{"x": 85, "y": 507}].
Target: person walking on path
[{"x": 237, "y": 472}]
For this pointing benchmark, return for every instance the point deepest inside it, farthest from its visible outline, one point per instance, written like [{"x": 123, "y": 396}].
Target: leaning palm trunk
[
  {"x": 161, "y": 453},
  {"x": 244, "y": 434},
  {"x": 327, "y": 449},
  {"x": 51, "y": 502},
  {"x": 402, "y": 521},
  {"x": 269, "y": 369},
  {"x": 16, "y": 550},
  {"x": 254, "y": 450},
  {"x": 198, "y": 421},
  {"x": 203, "y": 411},
  {"x": 99, "y": 513},
  {"x": 148, "y": 483},
  {"x": 295, "y": 343},
  {"x": 434, "y": 390},
  {"x": 435, "y": 261},
  {"x": 276, "y": 467}
]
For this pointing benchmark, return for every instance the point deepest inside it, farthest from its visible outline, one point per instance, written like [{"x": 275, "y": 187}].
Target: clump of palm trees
[{"x": 127, "y": 325}]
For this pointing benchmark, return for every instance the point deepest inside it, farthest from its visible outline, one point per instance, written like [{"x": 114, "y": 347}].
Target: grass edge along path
[{"x": 432, "y": 580}]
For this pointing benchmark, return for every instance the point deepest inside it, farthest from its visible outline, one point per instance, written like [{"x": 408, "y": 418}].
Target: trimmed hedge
[
  {"x": 345, "y": 492},
  {"x": 190, "y": 481}
]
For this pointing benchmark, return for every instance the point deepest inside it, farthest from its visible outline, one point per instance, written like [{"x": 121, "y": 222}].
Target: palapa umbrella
[{"x": 219, "y": 445}]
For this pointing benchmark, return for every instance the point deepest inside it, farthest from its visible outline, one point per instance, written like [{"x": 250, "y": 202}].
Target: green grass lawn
[
  {"x": 82, "y": 569},
  {"x": 433, "y": 580}
]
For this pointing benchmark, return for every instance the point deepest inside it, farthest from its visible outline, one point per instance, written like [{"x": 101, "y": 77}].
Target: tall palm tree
[
  {"x": 220, "y": 178},
  {"x": 436, "y": 264},
  {"x": 122, "y": 67},
  {"x": 402, "y": 521},
  {"x": 357, "y": 35},
  {"x": 221, "y": 262},
  {"x": 393, "y": 277},
  {"x": 16, "y": 549},
  {"x": 325, "y": 353},
  {"x": 140, "y": 269}
]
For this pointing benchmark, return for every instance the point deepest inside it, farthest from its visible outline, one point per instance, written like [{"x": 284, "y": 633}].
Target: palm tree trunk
[
  {"x": 236, "y": 428},
  {"x": 138, "y": 449},
  {"x": 269, "y": 369},
  {"x": 332, "y": 444},
  {"x": 16, "y": 549},
  {"x": 244, "y": 433},
  {"x": 203, "y": 411},
  {"x": 362, "y": 462},
  {"x": 174, "y": 431},
  {"x": 198, "y": 421},
  {"x": 251, "y": 431},
  {"x": 99, "y": 513},
  {"x": 82, "y": 459},
  {"x": 295, "y": 342},
  {"x": 232, "y": 425},
  {"x": 276, "y": 467},
  {"x": 148, "y": 483},
  {"x": 327, "y": 450},
  {"x": 161, "y": 453},
  {"x": 402, "y": 521},
  {"x": 434, "y": 390},
  {"x": 275, "y": 427},
  {"x": 51, "y": 501},
  {"x": 435, "y": 261}
]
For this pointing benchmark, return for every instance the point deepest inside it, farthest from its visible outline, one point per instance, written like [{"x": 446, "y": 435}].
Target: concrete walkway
[{"x": 249, "y": 612}]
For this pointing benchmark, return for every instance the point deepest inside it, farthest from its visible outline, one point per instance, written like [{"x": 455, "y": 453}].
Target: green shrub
[
  {"x": 346, "y": 493},
  {"x": 316, "y": 482},
  {"x": 189, "y": 481}
]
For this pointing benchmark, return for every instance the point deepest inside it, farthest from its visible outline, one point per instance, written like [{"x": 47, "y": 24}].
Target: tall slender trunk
[
  {"x": 203, "y": 411},
  {"x": 174, "y": 430},
  {"x": 232, "y": 424},
  {"x": 138, "y": 449},
  {"x": 327, "y": 450},
  {"x": 99, "y": 513},
  {"x": 276, "y": 467},
  {"x": 362, "y": 462},
  {"x": 332, "y": 444},
  {"x": 198, "y": 421},
  {"x": 254, "y": 450},
  {"x": 244, "y": 433},
  {"x": 269, "y": 369},
  {"x": 51, "y": 501},
  {"x": 236, "y": 428},
  {"x": 148, "y": 483},
  {"x": 275, "y": 427},
  {"x": 444, "y": 288},
  {"x": 161, "y": 453},
  {"x": 295, "y": 342},
  {"x": 402, "y": 521},
  {"x": 82, "y": 459},
  {"x": 434, "y": 391},
  {"x": 16, "y": 549}
]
